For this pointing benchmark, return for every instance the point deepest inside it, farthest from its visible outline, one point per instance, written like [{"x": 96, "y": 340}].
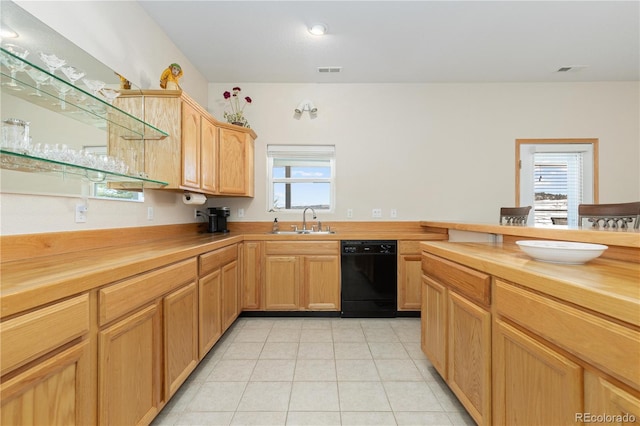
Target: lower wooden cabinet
[
  {"x": 180, "y": 315},
  {"x": 604, "y": 402},
  {"x": 302, "y": 276},
  {"x": 533, "y": 384},
  {"x": 456, "y": 331},
  {"x": 252, "y": 276},
  {"x": 321, "y": 278},
  {"x": 230, "y": 293},
  {"x": 434, "y": 324},
  {"x": 147, "y": 342},
  {"x": 47, "y": 369},
  {"x": 129, "y": 369},
  {"x": 409, "y": 275},
  {"x": 219, "y": 295},
  {"x": 209, "y": 313},
  {"x": 469, "y": 355}
]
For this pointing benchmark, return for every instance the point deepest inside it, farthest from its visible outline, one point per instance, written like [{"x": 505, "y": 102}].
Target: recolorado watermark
[{"x": 605, "y": 418}]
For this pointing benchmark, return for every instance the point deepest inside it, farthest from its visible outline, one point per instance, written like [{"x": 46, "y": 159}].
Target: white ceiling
[{"x": 405, "y": 41}]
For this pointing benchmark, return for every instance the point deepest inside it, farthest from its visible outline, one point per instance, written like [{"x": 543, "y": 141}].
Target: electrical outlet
[
  {"x": 240, "y": 212},
  {"x": 81, "y": 213},
  {"x": 376, "y": 213},
  {"x": 350, "y": 213},
  {"x": 195, "y": 213},
  {"x": 149, "y": 213},
  {"x": 393, "y": 213}
]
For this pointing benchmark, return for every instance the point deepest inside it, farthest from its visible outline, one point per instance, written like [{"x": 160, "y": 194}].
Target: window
[
  {"x": 555, "y": 176},
  {"x": 301, "y": 176},
  {"x": 102, "y": 189}
]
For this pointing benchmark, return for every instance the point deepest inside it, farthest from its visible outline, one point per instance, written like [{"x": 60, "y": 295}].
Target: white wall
[
  {"x": 439, "y": 151},
  {"x": 121, "y": 35},
  {"x": 428, "y": 150}
]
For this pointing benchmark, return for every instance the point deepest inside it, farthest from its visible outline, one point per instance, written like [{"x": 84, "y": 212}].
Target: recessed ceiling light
[{"x": 318, "y": 29}]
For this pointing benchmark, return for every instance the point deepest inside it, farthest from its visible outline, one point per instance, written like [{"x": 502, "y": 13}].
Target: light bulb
[{"x": 318, "y": 29}]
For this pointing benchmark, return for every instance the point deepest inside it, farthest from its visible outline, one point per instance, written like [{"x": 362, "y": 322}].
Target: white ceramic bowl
[{"x": 561, "y": 251}]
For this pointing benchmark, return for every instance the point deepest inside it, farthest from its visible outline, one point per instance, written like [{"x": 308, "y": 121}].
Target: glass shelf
[
  {"x": 76, "y": 103},
  {"x": 10, "y": 160}
]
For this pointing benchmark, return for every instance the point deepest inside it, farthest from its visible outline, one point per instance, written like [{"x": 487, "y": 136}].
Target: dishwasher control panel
[{"x": 369, "y": 247}]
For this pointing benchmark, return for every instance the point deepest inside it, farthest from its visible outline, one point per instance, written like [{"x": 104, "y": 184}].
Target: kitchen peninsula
[{"x": 517, "y": 339}]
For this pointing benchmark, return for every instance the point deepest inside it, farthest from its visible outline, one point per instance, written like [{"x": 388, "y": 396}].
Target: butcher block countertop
[
  {"x": 38, "y": 269},
  {"x": 622, "y": 238},
  {"x": 606, "y": 286}
]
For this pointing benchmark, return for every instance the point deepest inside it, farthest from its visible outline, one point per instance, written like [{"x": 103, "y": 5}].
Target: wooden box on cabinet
[
  {"x": 200, "y": 154},
  {"x": 301, "y": 275},
  {"x": 54, "y": 384}
]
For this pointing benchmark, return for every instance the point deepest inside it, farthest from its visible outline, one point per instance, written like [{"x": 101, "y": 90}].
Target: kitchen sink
[{"x": 302, "y": 232}]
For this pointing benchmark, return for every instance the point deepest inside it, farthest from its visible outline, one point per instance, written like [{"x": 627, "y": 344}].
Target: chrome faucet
[{"x": 304, "y": 217}]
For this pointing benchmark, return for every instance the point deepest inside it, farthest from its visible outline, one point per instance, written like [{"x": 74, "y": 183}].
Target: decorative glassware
[
  {"x": 39, "y": 78},
  {"x": 94, "y": 85},
  {"x": 72, "y": 73},
  {"x": 62, "y": 88},
  {"x": 109, "y": 94},
  {"x": 52, "y": 61},
  {"x": 14, "y": 64}
]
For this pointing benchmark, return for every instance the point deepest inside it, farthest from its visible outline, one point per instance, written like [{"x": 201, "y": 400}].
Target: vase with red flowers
[{"x": 237, "y": 105}]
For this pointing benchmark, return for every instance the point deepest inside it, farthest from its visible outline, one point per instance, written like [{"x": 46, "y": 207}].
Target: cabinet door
[
  {"x": 322, "y": 283},
  {"x": 129, "y": 369},
  {"x": 434, "y": 324},
  {"x": 233, "y": 169},
  {"x": 252, "y": 281},
  {"x": 180, "y": 336},
  {"x": 409, "y": 282},
  {"x": 602, "y": 397},
  {"x": 282, "y": 281},
  {"x": 533, "y": 384},
  {"x": 54, "y": 391},
  {"x": 190, "y": 146},
  {"x": 469, "y": 356},
  {"x": 230, "y": 294},
  {"x": 208, "y": 156},
  {"x": 209, "y": 313}
]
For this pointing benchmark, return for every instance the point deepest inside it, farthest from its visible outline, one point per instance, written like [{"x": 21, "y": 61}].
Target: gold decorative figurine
[{"x": 170, "y": 76}]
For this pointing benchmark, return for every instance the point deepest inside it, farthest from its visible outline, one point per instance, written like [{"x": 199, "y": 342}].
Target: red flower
[
  {"x": 226, "y": 95},
  {"x": 248, "y": 99},
  {"x": 236, "y": 89}
]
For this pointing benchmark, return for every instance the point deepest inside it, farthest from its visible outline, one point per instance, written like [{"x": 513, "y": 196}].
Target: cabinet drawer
[
  {"x": 29, "y": 336},
  {"x": 211, "y": 261},
  {"x": 609, "y": 346},
  {"x": 466, "y": 281},
  {"x": 125, "y": 296},
  {"x": 409, "y": 247},
  {"x": 302, "y": 247}
]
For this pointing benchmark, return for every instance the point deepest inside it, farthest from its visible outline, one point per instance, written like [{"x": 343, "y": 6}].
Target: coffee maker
[{"x": 218, "y": 219}]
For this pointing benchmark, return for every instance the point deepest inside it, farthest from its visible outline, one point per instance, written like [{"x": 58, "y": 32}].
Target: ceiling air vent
[
  {"x": 328, "y": 70},
  {"x": 572, "y": 68}
]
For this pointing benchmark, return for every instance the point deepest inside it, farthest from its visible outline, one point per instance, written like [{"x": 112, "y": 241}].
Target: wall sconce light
[{"x": 306, "y": 105}]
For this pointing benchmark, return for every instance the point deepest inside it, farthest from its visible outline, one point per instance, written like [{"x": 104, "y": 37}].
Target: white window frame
[
  {"x": 525, "y": 150},
  {"x": 302, "y": 152}
]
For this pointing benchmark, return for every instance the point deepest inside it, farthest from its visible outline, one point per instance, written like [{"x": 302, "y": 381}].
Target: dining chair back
[
  {"x": 514, "y": 215},
  {"x": 610, "y": 216}
]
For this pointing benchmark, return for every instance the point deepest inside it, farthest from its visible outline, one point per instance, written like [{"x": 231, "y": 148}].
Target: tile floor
[{"x": 316, "y": 371}]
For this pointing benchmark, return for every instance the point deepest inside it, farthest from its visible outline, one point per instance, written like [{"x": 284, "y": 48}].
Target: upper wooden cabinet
[{"x": 200, "y": 154}]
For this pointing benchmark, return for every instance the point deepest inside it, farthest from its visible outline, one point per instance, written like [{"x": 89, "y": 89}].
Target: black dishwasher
[{"x": 369, "y": 278}]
